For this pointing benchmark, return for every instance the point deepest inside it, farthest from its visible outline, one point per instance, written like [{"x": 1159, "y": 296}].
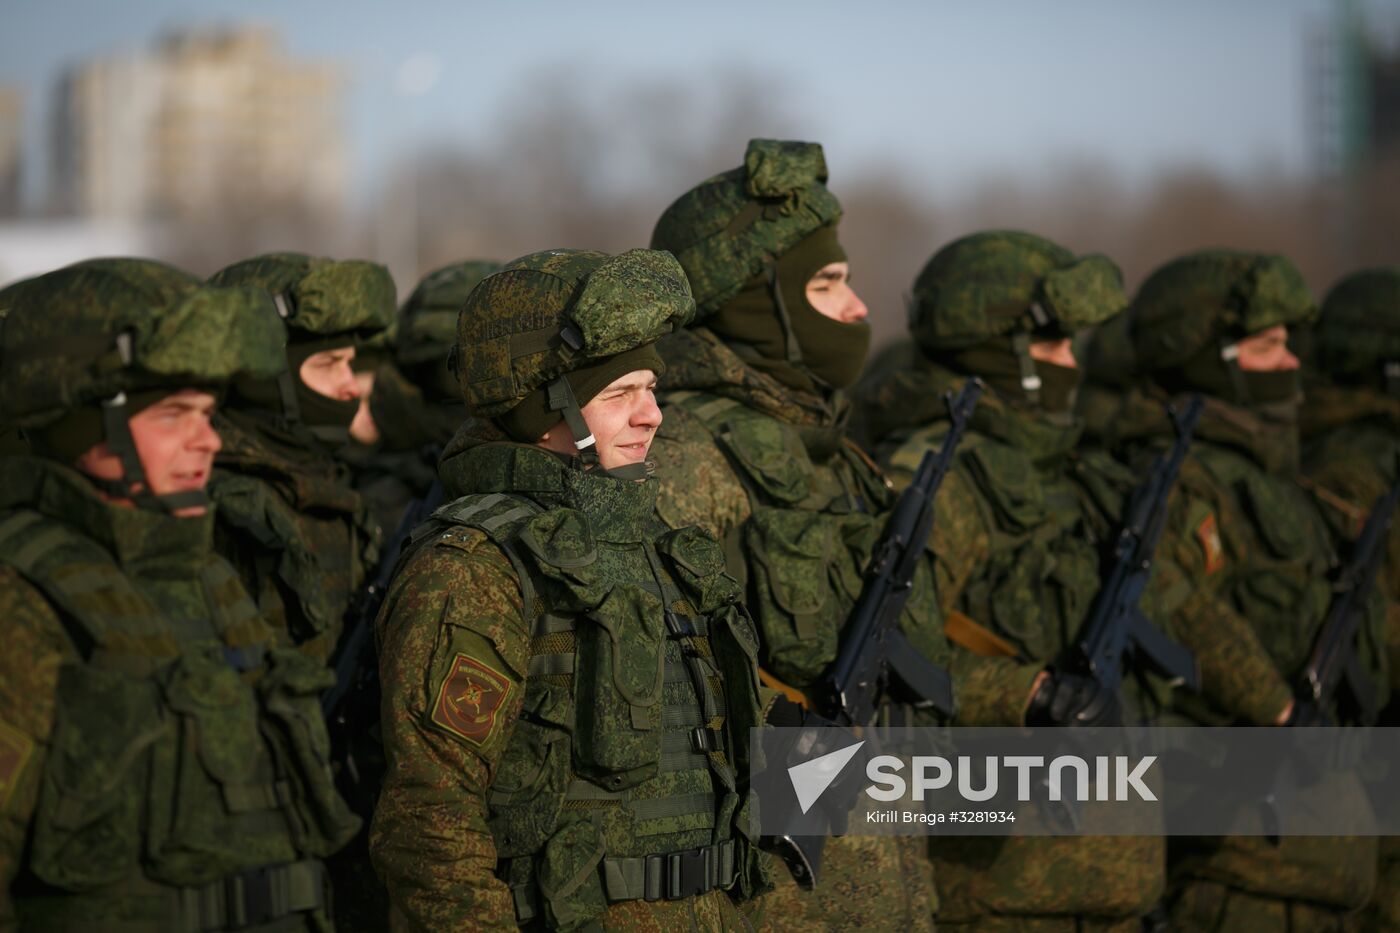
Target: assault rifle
[
  {"x": 873, "y": 649},
  {"x": 351, "y": 705},
  {"x": 1116, "y": 632},
  {"x": 1333, "y": 660}
]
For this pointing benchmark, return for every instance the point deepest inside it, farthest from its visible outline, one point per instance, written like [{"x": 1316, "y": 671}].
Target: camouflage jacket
[
  {"x": 770, "y": 472},
  {"x": 302, "y": 540},
  {"x": 1268, "y": 555},
  {"x": 1351, "y": 439},
  {"x": 568, "y": 689},
  {"x": 137, "y": 669},
  {"x": 1020, "y": 526}
]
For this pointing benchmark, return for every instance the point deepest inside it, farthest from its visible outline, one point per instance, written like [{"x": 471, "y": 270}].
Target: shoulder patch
[
  {"x": 15, "y": 751},
  {"x": 1208, "y": 536},
  {"x": 469, "y": 698}
]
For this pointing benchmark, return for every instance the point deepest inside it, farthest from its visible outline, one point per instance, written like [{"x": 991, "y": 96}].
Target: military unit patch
[
  {"x": 15, "y": 749},
  {"x": 470, "y": 697},
  {"x": 1209, "y": 537}
]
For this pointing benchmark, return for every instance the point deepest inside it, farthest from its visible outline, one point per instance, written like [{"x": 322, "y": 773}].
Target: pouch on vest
[
  {"x": 88, "y": 823},
  {"x": 320, "y": 820},
  {"x": 527, "y": 791},
  {"x": 806, "y": 580},
  {"x": 619, "y": 669},
  {"x": 771, "y": 455},
  {"x": 1007, "y": 479},
  {"x": 220, "y": 800},
  {"x": 569, "y": 881}
]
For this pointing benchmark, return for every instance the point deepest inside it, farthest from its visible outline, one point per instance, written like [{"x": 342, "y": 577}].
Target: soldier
[
  {"x": 754, "y": 449},
  {"x": 1216, "y": 322},
  {"x": 413, "y": 406},
  {"x": 1351, "y": 434},
  {"x": 568, "y": 686},
  {"x": 136, "y": 669},
  {"x": 303, "y": 540}
]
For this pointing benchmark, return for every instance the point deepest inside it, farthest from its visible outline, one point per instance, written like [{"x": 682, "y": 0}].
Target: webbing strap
[
  {"x": 662, "y": 808},
  {"x": 671, "y": 876},
  {"x": 254, "y": 898},
  {"x": 563, "y": 400}
]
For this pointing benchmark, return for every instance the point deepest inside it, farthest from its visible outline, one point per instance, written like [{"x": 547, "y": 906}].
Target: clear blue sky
[{"x": 948, "y": 91}]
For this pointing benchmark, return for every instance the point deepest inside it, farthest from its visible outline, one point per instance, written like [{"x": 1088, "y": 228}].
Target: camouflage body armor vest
[
  {"x": 188, "y": 784},
  {"x": 818, "y": 506},
  {"x": 1273, "y": 528},
  {"x": 1048, "y": 518},
  {"x": 302, "y": 541},
  {"x": 624, "y": 778}
]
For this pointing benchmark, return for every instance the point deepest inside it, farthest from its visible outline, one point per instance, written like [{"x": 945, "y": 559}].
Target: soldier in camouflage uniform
[
  {"x": 1216, "y": 322},
  {"x": 413, "y": 405},
  {"x": 302, "y": 539},
  {"x": 1022, "y": 523},
  {"x": 754, "y": 449},
  {"x": 568, "y": 686},
  {"x": 1351, "y": 437},
  {"x": 162, "y": 757}
]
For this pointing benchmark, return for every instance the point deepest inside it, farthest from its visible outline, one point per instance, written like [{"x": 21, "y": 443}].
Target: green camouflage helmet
[
  {"x": 90, "y": 332},
  {"x": 728, "y": 229},
  {"x": 321, "y": 297},
  {"x": 551, "y": 312},
  {"x": 1214, "y": 297},
  {"x": 1358, "y": 334},
  {"x": 428, "y": 320},
  {"x": 1005, "y": 281}
]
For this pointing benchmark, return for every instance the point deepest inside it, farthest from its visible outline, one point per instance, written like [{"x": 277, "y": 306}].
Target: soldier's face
[
  {"x": 175, "y": 442},
  {"x": 329, "y": 373},
  {"x": 830, "y": 292},
  {"x": 623, "y": 418},
  {"x": 363, "y": 428},
  {"x": 1058, "y": 352},
  {"x": 1266, "y": 351}
]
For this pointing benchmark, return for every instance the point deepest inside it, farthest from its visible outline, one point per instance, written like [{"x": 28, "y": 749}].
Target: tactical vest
[
  {"x": 188, "y": 783},
  {"x": 305, "y": 561},
  {"x": 1046, "y": 534},
  {"x": 623, "y": 780},
  {"x": 813, "y": 526},
  {"x": 1284, "y": 584}
]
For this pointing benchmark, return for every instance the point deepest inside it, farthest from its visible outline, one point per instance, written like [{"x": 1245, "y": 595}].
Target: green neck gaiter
[
  {"x": 999, "y": 366},
  {"x": 803, "y": 349}
]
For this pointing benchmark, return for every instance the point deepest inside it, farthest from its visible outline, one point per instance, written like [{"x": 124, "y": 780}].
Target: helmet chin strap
[
  {"x": 563, "y": 400},
  {"x": 134, "y": 485},
  {"x": 1230, "y": 355}
]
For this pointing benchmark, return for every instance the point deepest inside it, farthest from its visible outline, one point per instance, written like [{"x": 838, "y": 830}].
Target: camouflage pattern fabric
[
  {"x": 121, "y": 622},
  {"x": 1020, "y": 493},
  {"x": 528, "y": 758},
  {"x": 1351, "y": 434},
  {"x": 1268, "y": 554},
  {"x": 1213, "y": 295},
  {"x": 1359, "y": 329},
  {"x": 302, "y": 540},
  {"x": 985, "y": 284},
  {"x": 767, "y": 469},
  {"x": 428, "y": 319},
  {"x": 60, "y": 348},
  {"x": 324, "y": 297},
  {"x": 728, "y": 229},
  {"x": 548, "y": 313}
]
